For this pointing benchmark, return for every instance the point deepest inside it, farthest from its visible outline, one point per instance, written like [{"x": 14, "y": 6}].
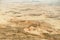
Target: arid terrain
[{"x": 29, "y": 22}]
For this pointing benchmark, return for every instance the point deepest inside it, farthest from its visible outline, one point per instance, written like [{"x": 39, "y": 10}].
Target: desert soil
[{"x": 29, "y": 22}]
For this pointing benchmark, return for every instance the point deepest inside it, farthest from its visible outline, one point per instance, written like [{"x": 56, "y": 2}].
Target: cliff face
[{"x": 29, "y": 22}]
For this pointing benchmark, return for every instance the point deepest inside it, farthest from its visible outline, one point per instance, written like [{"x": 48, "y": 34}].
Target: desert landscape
[{"x": 29, "y": 22}]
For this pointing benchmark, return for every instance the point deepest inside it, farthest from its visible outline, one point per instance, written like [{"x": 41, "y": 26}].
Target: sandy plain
[{"x": 29, "y": 22}]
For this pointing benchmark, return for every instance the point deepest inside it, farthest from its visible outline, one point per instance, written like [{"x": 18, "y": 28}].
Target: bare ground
[{"x": 29, "y": 22}]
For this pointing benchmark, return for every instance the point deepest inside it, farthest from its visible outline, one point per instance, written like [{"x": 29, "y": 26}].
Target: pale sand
[{"x": 38, "y": 22}]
